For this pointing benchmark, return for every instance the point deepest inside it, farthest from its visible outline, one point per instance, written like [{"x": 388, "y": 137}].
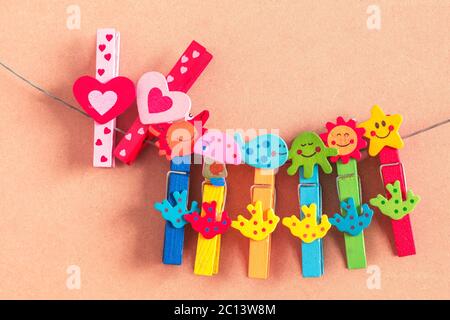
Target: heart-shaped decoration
[
  {"x": 156, "y": 103},
  {"x": 104, "y": 101}
]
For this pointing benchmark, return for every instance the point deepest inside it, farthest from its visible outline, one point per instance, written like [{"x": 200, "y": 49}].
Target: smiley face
[
  {"x": 382, "y": 131},
  {"x": 180, "y": 138},
  {"x": 343, "y": 138},
  {"x": 177, "y": 139},
  {"x": 346, "y": 137},
  {"x": 308, "y": 150}
]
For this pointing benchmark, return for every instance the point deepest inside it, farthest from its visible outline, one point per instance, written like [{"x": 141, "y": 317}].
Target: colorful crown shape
[
  {"x": 395, "y": 208},
  {"x": 207, "y": 225},
  {"x": 176, "y": 213},
  {"x": 256, "y": 227},
  {"x": 352, "y": 223},
  {"x": 307, "y": 229}
]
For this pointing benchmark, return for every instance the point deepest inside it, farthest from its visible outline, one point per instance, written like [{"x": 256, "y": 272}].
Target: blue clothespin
[
  {"x": 176, "y": 199},
  {"x": 310, "y": 192},
  {"x": 307, "y": 153}
]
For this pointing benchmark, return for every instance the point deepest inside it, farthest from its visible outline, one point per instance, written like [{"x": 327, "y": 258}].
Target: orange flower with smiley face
[
  {"x": 346, "y": 138},
  {"x": 177, "y": 139}
]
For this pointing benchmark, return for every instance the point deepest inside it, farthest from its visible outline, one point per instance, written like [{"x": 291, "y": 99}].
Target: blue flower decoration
[{"x": 352, "y": 223}]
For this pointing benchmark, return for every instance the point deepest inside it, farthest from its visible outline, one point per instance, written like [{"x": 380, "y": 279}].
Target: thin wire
[
  {"x": 58, "y": 99},
  {"x": 71, "y": 106}
]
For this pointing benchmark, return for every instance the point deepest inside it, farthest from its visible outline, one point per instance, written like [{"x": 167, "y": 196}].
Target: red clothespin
[
  {"x": 106, "y": 96},
  {"x": 382, "y": 131},
  {"x": 182, "y": 76}
]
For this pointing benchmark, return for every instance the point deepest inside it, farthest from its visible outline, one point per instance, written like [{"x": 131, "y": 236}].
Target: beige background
[{"x": 291, "y": 65}]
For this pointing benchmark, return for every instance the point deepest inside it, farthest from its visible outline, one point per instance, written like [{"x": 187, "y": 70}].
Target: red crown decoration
[{"x": 207, "y": 225}]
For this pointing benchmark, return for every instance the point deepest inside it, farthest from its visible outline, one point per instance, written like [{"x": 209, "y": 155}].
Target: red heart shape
[
  {"x": 102, "y": 47},
  {"x": 157, "y": 102},
  {"x": 120, "y": 87},
  {"x": 103, "y": 159},
  {"x": 101, "y": 72},
  {"x": 108, "y": 56},
  {"x": 98, "y": 142},
  {"x": 106, "y": 130},
  {"x": 109, "y": 37}
]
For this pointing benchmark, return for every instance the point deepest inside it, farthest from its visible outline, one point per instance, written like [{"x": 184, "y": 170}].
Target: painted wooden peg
[
  {"x": 217, "y": 149},
  {"x": 348, "y": 139},
  {"x": 180, "y": 79},
  {"x": 176, "y": 141},
  {"x": 382, "y": 132},
  {"x": 307, "y": 153},
  {"x": 266, "y": 153},
  {"x": 106, "y": 96}
]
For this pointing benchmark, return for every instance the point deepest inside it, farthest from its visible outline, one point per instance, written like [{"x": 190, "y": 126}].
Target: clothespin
[
  {"x": 266, "y": 153},
  {"x": 165, "y": 112},
  {"x": 182, "y": 76},
  {"x": 217, "y": 149},
  {"x": 106, "y": 96},
  {"x": 348, "y": 140},
  {"x": 382, "y": 132},
  {"x": 307, "y": 153}
]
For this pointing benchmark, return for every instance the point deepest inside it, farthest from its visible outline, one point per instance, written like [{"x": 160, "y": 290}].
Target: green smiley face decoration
[{"x": 307, "y": 150}]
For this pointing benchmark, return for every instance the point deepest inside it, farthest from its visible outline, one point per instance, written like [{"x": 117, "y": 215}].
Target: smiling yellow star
[{"x": 382, "y": 131}]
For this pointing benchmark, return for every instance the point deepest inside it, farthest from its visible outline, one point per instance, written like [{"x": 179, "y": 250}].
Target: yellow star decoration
[{"x": 382, "y": 131}]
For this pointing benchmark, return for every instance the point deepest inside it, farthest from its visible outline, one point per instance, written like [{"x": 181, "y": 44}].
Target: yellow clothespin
[{"x": 217, "y": 148}]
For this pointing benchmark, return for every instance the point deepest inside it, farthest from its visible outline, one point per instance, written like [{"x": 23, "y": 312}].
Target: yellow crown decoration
[
  {"x": 256, "y": 228},
  {"x": 307, "y": 229}
]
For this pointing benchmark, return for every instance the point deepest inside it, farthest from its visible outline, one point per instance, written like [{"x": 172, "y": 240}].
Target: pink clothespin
[
  {"x": 182, "y": 76},
  {"x": 106, "y": 96}
]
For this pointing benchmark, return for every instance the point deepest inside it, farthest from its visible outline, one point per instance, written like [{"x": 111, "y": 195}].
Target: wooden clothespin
[
  {"x": 106, "y": 96},
  {"x": 165, "y": 111},
  {"x": 266, "y": 153},
  {"x": 348, "y": 140},
  {"x": 217, "y": 149},
  {"x": 182, "y": 76},
  {"x": 307, "y": 153},
  {"x": 382, "y": 131}
]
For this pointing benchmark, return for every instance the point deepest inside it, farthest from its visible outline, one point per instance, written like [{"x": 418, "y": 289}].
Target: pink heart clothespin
[
  {"x": 157, "y": 104},
  {"x": 106, "y": 96}
]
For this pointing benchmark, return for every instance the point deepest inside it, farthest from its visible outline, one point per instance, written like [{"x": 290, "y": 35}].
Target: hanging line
[{"x": 71, "y": 106}]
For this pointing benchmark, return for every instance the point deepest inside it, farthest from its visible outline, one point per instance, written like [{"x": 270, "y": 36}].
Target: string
[
  {"x": 56, "y": 98},
  {"x": 71, "y": 106}
]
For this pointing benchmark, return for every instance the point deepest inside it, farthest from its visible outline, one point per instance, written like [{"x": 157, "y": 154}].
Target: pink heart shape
[
  {"x": 104, "y": 101},
  {"x": 157, "y": 102}
]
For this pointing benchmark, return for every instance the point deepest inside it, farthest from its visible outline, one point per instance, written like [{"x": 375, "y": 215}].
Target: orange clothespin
[{"x": 266, "y": 153}]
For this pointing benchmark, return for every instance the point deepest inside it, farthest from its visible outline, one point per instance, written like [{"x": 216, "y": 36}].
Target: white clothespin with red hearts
[{"x": 106, "y": 96}]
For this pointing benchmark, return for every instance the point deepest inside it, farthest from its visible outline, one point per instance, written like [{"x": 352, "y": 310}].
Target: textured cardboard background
[{"x": 291, "y": 65}]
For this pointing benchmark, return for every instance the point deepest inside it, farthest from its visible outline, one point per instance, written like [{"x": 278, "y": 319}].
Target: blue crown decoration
[
  {"x": 352, "y": 223},
  {"x": 175, "y": 213}
]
